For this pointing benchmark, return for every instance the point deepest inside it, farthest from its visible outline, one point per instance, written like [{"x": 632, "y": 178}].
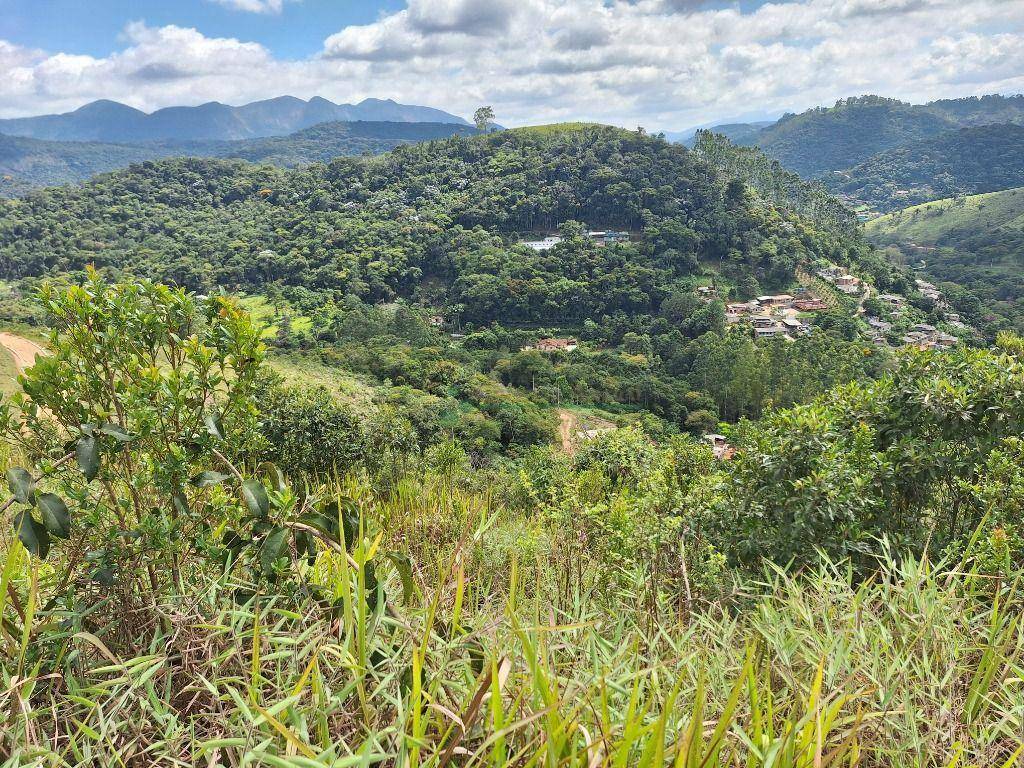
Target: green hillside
[
  {"x": 966, "y": 161},
  {"x": 826, "y": 139},
  {"x": 27, "y": 164},
  {"x": 407, "y": 270},
  {"x": 976, "y": 242}
]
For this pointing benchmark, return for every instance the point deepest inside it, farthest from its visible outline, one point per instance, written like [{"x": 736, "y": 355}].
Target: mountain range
[{"x": 111, "y": 121}]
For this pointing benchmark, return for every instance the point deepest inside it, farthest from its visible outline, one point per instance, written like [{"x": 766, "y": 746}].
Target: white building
[{"x": 542, "y": 245}]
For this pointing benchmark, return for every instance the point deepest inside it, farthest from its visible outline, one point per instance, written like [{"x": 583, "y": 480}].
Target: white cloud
[
  {"x": 253, "y": 6},
  {"x": 664, "y": 64}
]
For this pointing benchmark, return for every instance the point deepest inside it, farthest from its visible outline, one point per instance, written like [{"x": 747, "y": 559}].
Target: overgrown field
[{"x": 179, "y": 589}]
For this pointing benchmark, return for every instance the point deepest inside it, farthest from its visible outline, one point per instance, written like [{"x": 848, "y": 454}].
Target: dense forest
[
  {"x": 27, "y": 164},
  {"x": 967, "y": 161},
  {"x": 436, "y": 221}
]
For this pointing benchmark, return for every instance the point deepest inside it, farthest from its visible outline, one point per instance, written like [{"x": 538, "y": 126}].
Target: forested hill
[
  {"x": 826, "y": 139},
  {"x": 436, "y": 220},
  {"x": 966, "y": 161},
  {"x": 773, "y": 182},
  {"x": 31, "y": 163}
]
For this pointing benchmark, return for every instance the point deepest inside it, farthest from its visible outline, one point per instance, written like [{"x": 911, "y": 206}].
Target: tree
[{"x": 483, "y": 118}]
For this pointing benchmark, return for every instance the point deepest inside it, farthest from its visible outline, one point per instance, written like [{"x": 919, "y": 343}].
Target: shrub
[{"x": 307, "y": 430}]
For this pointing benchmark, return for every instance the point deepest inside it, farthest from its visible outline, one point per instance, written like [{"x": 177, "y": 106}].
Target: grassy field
[
  {"x": 268, "y": 317},
  {"x": 298, "y": 369},
  {"x": 951, "y": 219}
]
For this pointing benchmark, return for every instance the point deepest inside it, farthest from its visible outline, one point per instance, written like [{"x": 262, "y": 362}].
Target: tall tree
[{"x": 484, "y": 118}]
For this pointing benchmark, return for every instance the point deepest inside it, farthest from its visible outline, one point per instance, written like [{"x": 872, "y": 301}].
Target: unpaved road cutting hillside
[{"x": 22, "y": 350}]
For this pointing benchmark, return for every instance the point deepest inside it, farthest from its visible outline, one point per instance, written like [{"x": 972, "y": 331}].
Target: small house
[
  {"x": 740, "y": 308},
  {"x": 830, "y": 273},
  {"x": 720, "y": 447},
  {"x": 891, "y": 299},
  {"x": 769, "y": 332},
  {"x": 554, "y": 345},
  {"x": 542, "y": 245},
  {"x": 780, "y": 301}
]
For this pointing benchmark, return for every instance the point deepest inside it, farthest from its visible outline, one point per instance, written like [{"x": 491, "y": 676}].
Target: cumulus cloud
[{"x": 665, "y": 64}]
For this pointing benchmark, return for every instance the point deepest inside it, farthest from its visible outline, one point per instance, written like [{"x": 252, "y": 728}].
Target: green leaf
[
  {"x": 87, "y": 453},
  {"x": 270, "y": 471},
  {"x": 213, "y": 425},
  {"x": 255, "y": 496},
  {"x": 116, "y": 432},
  {"x": 373, "y": 586},
  {"x": 22, "y": 486},
  {"x": 32, "y": 534},
  {"x": 55, "y": 515},
  {"x": 208, "y": 478},
  {"x": 103, "y": 576},
  {"x": 404, "y": 567},
  {"x": 324, "y": 523},
  {"x": 306, "y": 542},
  {"x": 274, "y": 547},
  {"x": 349, "y": 513},
  {"x": 180, "y": 503}
]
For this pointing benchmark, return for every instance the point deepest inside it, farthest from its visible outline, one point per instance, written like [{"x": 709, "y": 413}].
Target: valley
[{"x": 407, "y": 442}]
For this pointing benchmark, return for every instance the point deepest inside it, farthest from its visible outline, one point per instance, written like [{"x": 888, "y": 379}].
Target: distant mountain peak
[{"x": 102, "y": 105}]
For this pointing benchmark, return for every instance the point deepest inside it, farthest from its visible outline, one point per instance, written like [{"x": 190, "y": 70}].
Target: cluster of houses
[
  {"x": 805, "y": 302},
  {"x": 600, "y": 238},
  {"x": 775, "y": 315},
  {"x": 924, "y": 336},
  {"x": 841, "y": 279},
  {"x": 928, "y": 290},
  {"x": 568, "y": 344}
]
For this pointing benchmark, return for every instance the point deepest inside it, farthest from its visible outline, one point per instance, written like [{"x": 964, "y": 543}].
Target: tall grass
[{"x": 490, "y": 662}]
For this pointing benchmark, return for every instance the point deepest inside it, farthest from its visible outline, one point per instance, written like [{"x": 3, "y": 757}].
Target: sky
[{"x": 661, "y": 64}]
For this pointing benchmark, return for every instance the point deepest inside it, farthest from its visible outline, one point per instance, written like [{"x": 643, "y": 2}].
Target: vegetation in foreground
[{"x": 169, "y": 597}]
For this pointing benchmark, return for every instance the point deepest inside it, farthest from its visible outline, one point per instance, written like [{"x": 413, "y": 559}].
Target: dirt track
[
  {"x": 22, "y": 350},
  {"x": 566, "y": 429}
]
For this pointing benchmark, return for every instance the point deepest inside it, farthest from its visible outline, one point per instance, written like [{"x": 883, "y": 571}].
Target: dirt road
[
  {"x": 22, "y": 350},
  {"x": 566, "y": 429}
]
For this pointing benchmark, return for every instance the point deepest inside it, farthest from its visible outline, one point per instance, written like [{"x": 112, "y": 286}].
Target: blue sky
[
  {"x": 95, "y": 27},
  {"x": 663, "y": 64}
]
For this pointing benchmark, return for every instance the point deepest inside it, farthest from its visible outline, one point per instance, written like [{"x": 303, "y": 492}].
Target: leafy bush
[{"x": 308, "y": 431}]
